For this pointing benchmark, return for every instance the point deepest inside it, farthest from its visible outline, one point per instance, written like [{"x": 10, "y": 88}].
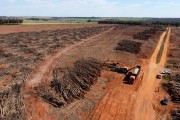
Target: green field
[
  {"x": 79, "y": 20},
  {"x": 73, "y": 21}
]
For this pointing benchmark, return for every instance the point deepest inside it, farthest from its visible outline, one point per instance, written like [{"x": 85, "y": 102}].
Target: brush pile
[
  {"x": 145, "y": 35},
  {"x": 174, "y": 90},
  {"x": 72, "y": 83},
  {"x": 11, "y": 103},
  {"x": 129, "y": 46},
  {"x": 176, "y": 115},
  {"x": 48, "y": 96}
]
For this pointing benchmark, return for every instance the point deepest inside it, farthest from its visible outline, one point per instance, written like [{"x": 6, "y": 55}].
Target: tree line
[
  {"x": 159, "y": 23},
  {"x": 10, "y": 21}
]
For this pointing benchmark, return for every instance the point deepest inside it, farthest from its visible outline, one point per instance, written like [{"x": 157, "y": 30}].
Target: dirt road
[
  {"x": 119, "y": 101},
  {"x": 143, "y": 107},
  {"x": 136, "y": 103}
]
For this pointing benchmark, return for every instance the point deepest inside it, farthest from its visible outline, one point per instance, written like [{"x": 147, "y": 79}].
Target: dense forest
[
  {"x": 159, "y": 22},
  {"x": 10, "y": 21}
]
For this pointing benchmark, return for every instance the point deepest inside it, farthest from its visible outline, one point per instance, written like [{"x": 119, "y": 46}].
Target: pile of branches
[
  {"x": 173, "y": 63},
  {"x": 173, "y": 88},
  {"x": 49, "y": 96},
  {"x": 11, "y": 103},
  {"x": 72, "y": 83},
  {"x": 145, "y": 35},
  {"x": 129, "y": 46},
  {"x": 175, "y": 115}
]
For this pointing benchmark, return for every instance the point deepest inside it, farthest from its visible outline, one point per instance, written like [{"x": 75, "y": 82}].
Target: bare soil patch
[
  {"x": 109, "y": 98},
  {"x": 6, "y": 29},
  {"x": 20, "y": 52},
  {"x": 109, "y": 88}
]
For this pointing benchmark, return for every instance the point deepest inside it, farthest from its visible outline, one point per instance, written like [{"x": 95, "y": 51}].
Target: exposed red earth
[{"x": 109, "y": 98}]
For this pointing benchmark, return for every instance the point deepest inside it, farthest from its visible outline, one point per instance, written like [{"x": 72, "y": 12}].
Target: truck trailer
[{"x": 132, "y": 76}]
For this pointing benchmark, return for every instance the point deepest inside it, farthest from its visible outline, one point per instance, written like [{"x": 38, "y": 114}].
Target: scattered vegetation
[
  {"x": 129, "y": 46},
  {"x": 166, "y": 77}
]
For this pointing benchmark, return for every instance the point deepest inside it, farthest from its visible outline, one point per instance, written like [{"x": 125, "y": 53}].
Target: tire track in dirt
[
  {"x": 143, "y": 107},
  {"x": 117, "y": 103},
  {"x": 136, "y": 103},
  {"x": 36, "y": 109},
  {"x": 49, "y": 63}
]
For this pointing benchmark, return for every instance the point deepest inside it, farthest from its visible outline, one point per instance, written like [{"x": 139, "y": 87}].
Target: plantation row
[
  {"x": 154, "y": 23},
  {"x": 10, "y": 21}
]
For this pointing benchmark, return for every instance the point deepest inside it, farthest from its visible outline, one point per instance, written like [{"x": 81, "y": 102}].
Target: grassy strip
[{"x": 161, "y": 48}]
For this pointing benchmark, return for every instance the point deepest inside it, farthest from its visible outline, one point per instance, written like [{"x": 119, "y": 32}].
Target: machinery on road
[{"x": 132, "y": 76}]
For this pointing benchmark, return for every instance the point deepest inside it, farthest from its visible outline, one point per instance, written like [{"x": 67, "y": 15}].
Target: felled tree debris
[
  {"x": 49, "y": 97},
  {"x": 174, "y": 90},
  {"x": 11, "y": 103},
  {"x": 129, "y": 46},
  {"x": 146, "y": 34},
  {"x": 75, "y": 81},
  {"x": 175, "y": 115}
]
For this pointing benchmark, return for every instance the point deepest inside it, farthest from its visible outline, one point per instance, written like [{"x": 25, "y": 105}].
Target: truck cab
[{"x": 131, "y": 79}]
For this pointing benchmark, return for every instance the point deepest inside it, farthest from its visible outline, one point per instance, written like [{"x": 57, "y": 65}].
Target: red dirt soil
[
  {"x": 131, "y": 104},
  {"x": 121, "y": 101},
  {"x": 41, "y": 73},
  {"x": 143, "y": 108},
  {"x": 6, "y": 29}
]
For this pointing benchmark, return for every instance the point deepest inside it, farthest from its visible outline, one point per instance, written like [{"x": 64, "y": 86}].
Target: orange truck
[{"x": 134, "y": 74}]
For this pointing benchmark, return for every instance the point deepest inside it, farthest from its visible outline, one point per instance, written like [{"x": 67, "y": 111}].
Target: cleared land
[
  {"x": 101, "y": 47},
  {"x": 69, "y": 72},
  {"x": 6, "y": 29}
]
